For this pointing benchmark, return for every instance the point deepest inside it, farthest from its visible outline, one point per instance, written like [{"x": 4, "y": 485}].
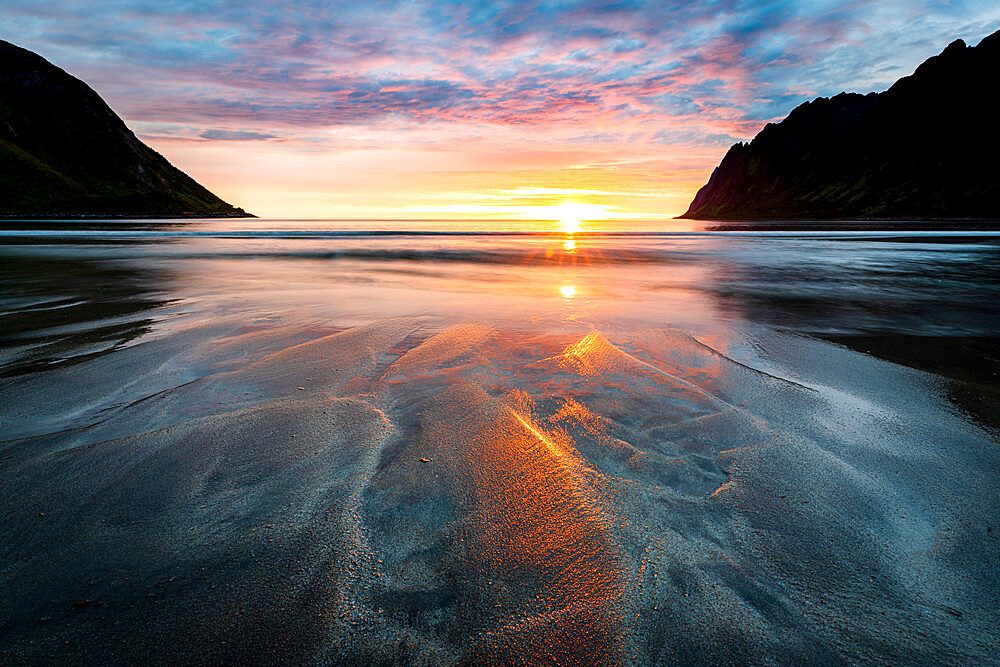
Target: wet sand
[
  {"x": 391, "y": 493},
  {"x": 971, "y": 364}
]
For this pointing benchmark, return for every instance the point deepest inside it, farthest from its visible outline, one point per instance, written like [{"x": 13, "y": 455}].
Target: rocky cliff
[
  {"x": 65, "y": 153},
  {"x": 929, "y": 147}
]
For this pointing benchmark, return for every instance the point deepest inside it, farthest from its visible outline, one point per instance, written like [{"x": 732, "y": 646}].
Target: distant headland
[
  {"x": 64, "y": 153},
  {"x": 926, "y": 148}
]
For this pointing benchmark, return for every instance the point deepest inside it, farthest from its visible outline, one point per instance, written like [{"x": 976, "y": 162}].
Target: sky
[{"x": 443, "y": 109}]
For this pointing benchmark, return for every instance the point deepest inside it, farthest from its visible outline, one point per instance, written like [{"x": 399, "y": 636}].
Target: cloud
[
  {"x": 731, "y": 64},
  {"x": 512, "y": 77},
  {"x": 235, "y": 135}
]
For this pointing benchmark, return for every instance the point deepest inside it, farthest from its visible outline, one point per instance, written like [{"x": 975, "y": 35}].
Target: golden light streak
[{"x": 550, "y": 445}]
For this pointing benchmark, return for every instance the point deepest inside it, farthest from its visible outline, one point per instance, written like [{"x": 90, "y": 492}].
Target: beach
[{"x": 285, "y": 442}]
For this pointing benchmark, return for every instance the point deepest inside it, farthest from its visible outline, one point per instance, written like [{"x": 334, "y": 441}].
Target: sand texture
[{"x": 397, "y": 493}]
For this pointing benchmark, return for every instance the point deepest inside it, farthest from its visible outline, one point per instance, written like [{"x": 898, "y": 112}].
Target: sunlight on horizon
[
  {"x": 544, "y": 205},
  {"x": 570, "y": 215}
]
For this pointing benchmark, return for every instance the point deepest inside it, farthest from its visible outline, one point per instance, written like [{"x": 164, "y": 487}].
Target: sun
[{"x": 570, "y": 214}]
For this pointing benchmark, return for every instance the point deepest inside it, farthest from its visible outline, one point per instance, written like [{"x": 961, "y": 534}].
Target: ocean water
[
  {"x": 76, "y": 289},
  {"x": 356, "y": 442}
]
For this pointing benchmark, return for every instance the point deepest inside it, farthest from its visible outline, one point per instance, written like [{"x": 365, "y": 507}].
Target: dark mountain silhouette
[
  {"x": 925, "y": 148},
  {"x": 65, "y": 153}
]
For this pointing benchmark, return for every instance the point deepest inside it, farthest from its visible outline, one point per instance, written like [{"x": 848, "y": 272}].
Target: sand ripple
[{"x": 388, "y": 494}]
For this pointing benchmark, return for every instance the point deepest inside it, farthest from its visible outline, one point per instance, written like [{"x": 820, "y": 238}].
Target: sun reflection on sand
[{"x": 538, "y": 525}]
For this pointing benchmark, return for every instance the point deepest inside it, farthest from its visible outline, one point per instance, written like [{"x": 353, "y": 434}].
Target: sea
[
  {"x": 70, "y": 290},
  {"x": 454, "y": 442}
]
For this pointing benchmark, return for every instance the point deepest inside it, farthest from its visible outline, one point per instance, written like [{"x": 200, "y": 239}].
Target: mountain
[
  {"x": 65, "y": 153},
  {"x": 929, "y": 147}
]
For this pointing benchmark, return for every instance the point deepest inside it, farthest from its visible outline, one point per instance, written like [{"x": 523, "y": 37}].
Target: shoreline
[{"x": 972, "y": 365}]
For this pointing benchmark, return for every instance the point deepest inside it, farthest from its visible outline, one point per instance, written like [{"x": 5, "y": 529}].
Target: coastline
[
  {"x": 914, "y": 223},
  {"x": 56, "y": 217}
]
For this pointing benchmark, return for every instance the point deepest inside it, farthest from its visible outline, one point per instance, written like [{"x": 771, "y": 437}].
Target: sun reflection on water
[{"x": 568, "y": 291}]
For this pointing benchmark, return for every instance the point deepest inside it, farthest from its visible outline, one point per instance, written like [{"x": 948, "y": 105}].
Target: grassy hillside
[{"x": 64, "y": 152}]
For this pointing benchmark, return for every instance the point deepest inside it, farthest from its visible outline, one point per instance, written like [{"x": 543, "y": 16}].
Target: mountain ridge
[
  {"x": 65, "y": 153},
  {"x": 923, "y": 149}
]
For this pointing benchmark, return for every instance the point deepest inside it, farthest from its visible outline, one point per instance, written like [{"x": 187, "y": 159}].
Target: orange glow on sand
[{"x": 536, "y": 521}]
